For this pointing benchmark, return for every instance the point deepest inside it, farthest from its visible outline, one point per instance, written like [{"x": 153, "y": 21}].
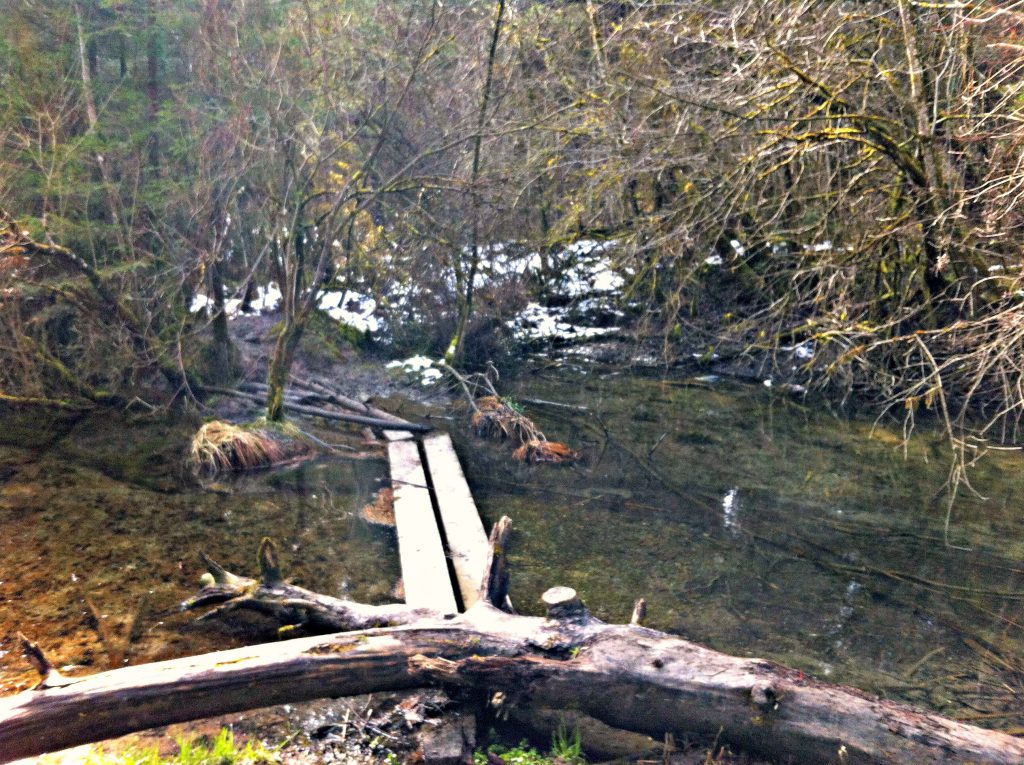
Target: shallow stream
[
  {"x": 759, "y": 524},
  {"x": 101, "y": 528},
  {"x": 751, "y": 521}
]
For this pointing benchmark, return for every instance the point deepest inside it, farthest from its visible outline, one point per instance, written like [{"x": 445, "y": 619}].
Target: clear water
[
  {"x": 761, "y": 525},
  {"x": 103, "y": 511},
  {"x": 750, "y": 521}
]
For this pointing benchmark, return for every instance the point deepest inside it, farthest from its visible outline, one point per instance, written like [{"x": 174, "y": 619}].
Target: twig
[
  {"x": 556, "y": 404},
  {"x": 657, "y": 444}
]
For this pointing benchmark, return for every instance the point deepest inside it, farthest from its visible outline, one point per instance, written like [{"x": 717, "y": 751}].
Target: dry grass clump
[
  {"x": 540, "y": 450},
  {"x": 219, "y": 447},
  {"x": 495, "y": 418}
]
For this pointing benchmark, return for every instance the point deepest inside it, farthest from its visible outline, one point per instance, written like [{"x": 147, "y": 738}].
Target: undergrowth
[
  {"x": 566, "y": 749},
  {"x": 223, "y": 750}
]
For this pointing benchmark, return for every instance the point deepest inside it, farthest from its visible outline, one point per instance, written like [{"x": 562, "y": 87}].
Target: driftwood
[{"x": 627, "y": 676}]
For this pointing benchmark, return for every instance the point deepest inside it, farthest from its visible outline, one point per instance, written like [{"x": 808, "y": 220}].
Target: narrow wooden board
[
  {"x": 424, "y": 568},
  {"x": 463, "y": 529}
]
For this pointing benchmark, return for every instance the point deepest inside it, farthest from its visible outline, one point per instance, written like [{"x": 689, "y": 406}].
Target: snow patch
[
  {"x": 537, "y": 322},
  {"x": 422, "y": 368},
  {"x": 352, "y": 309}
]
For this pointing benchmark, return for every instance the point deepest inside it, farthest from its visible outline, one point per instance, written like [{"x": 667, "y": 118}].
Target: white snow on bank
[
  {"x": 267, "y": 301},
  {"x": 584, "y": 276},
  {"x": 199, "y": 303},
  {"x": 588, "y": 269},
  {"x": 537, "y": 322},
  {"x": 501, "y": 261},
  {"x": 423, "y": 368},
  {"x": 348, "y": 307},
  {"x": 352, "y": 309}
]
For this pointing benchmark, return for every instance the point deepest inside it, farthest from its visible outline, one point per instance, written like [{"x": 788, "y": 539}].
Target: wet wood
[
  {"x": 494, "y": 587},
  {"x": 424, "y": 565},
  {"x": 463, "y": 529},
  {"x": 327, "y": 414},
  {"x": 628, "y": 677},
  {"x": 319, "y": 391}
]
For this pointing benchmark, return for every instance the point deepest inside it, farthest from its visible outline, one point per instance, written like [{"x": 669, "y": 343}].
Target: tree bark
[
  {"x": 625, "y": 675},
  {"x": 464, "y": 286},
  {"x": 281, "y": 364}
]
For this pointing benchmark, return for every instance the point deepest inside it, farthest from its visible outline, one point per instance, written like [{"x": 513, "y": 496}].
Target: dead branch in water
[{"x": 498, "y": 417}]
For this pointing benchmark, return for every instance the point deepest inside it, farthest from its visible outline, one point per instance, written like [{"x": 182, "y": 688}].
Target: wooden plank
[
  {"x": 463, "y": 529},
  {"x": 397, "y": 435},
  {"x": 424, "y": 568}
]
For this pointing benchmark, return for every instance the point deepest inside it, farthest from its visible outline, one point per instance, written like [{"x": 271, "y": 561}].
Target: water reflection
[
  {"x": 730, "y": 510},
  {"x": 749, "y": 520},
  {"x": 762, "y": 525},
  {"x": 104, "y": 515}
]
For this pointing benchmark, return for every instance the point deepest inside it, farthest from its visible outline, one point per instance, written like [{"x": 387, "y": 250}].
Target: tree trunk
[
  {"x": 281, "y": 364},
  {"x": 465, "y": 290},
  {"x": 222, "y": 358},
  {"x": 625, "y": 675}
]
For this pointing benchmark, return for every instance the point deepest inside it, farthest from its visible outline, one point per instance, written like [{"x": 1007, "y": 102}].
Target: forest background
[{"x": 843, "y": 176}]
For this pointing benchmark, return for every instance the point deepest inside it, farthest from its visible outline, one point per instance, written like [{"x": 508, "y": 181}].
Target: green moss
[{"x": 331, "y": 339}]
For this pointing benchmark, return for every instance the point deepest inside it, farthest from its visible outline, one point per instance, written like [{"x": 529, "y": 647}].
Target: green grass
[
  {"x": 566, "y": 746},
  {"x": 517, "y": 755},
  {"x": 223, "y": 750},
  {"x": 566, "y": 749}
]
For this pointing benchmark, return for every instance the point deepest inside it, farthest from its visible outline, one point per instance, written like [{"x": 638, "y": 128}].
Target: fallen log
[
  {"x": 627, "y": 676},
  {"x": 322, "y": 392},
  {"x": 328, "y": 414}
]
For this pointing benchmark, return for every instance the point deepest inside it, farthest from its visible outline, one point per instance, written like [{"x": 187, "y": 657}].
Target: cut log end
[
  {"x": 564, "y": 605},
  {"x": 765, "y": 696}
]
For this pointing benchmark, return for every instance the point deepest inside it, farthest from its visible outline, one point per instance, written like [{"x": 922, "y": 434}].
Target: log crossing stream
[{"x": 442, "y": 545}]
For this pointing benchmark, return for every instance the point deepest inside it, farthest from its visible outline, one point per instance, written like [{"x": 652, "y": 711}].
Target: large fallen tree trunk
[{"x": 625, "y": 675}]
